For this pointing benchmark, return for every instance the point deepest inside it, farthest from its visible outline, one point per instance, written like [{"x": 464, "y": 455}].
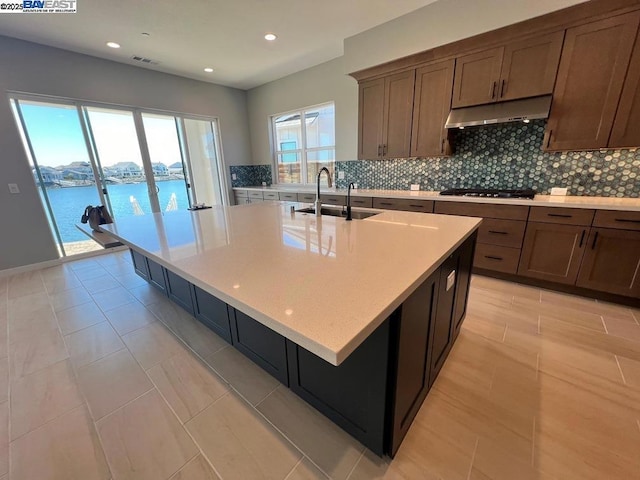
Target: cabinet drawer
[
  {"x": 566, "y": 216},
  {"x": 333, "y": 199},
  {"x": 410, "y": 205},
  {"x": 241, "y": 193},
  {"x": 255, "y": 194},
  {"x": 270, "y": 195},
  {"x": 306, "y": 197},
  {"x": 497, "y": 258},
  {"x": 468, "y": 209},
  {"x": 366, "y": 202},
  {"x": 506, "y": 233},
  {"x": 617, "y": 219},
  {"x": 261, "y": 344},
  {"x": 292, "y": 197}
]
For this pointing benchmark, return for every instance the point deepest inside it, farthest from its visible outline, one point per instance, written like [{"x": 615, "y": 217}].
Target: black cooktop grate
[{"x": 490, "y": 192}]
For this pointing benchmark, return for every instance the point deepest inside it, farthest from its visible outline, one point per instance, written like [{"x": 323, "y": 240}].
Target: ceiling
[{"x": 226, "y": 35}]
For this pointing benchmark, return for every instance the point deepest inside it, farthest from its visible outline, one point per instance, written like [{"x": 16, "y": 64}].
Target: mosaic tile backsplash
[
  {"x": 504, "y": 156},
  {"x": 251, "y": 175}
]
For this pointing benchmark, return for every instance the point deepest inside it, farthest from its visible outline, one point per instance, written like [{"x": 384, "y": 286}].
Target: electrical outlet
[
  {"x": 415, "y": 186},
  {"x": 355, "y": 186},
  {"x": 558, "y": 191},
  {"x": 13, "y": 188},
  {"x": 264, "y": 184},
  {"x": 234, "y": 176},
  {"x": 341, "y": 175}
]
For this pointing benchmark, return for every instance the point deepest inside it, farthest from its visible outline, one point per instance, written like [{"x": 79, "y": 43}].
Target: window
[{"x": 304, "y": 142}]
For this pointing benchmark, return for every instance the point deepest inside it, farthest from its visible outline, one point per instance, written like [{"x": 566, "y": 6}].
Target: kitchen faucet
[
  {"x": 318, "y": 202},
  {"x": 351, "y": 185}
]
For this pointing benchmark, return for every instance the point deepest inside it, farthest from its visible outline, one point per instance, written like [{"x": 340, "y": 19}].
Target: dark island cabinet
[
  {"x": 140, "y": 264},
  {"x": 261, "y": 344},
  {"x": 157, "y": 275},
  {"x": 353, "y": 394},
  {"x": 212, "y": 312},
  {"x": 179, "y": 290}
]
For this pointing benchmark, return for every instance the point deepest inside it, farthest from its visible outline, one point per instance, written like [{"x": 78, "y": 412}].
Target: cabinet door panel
[
  {"x": 552, "y": 252},
  {"x": 530, "y": 66},
  {"x": 179, "y": 290},
  {"x": 590, "y": 78},
  {"x": 396, "y": 140},
  {"x": 476, "y": 78},
  {"x": 261, "y": 344},
  {"x": 371, "y": 111},
  {"x": 212, "y": 312},
  {"x": 626, "y": 127},
  {"x": 140, "y": 264},
  {"x": 432, "y": 103},
  {"x": 612, "y": 262},
  {"x": 157, "y": 275}
]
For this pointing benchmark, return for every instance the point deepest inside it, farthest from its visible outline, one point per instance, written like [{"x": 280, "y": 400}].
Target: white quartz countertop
[
  {"x": 322, "y": 282},
  {"x": 603, "y": 203}
]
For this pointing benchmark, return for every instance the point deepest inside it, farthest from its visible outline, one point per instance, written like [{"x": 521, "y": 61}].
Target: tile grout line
[
  {"x": 294, "y": 467},
  {"x": 355, "y": 465},
  {"x": 624, "y": 380},
  {"x": 533, "y": 443},
  {"x": 604, "y": 324}
]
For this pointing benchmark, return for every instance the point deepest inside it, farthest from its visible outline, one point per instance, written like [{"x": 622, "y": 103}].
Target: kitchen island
[{"x": 355, "y": 317}]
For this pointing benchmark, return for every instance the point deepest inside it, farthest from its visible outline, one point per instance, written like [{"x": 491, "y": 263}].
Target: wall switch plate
[
  {"x": 355, "y": 186},
  {"x": 558, "y": 191},
  {"x": 415, "y": 186},
  {"x": 264, "y": 184},
  {"x": 234, "y": 176},
  {"x": 341, "y": 175},
  {"x": 13, "y": 188}
]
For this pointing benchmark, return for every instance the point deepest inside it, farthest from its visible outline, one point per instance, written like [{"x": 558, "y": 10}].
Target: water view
[{"x": 68, "y": 204}]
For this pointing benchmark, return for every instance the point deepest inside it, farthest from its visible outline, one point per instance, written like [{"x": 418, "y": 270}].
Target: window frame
[{"x": 303, "y": 150}]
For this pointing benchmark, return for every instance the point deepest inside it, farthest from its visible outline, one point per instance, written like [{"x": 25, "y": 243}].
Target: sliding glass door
[{"x": 134, "y": 162}]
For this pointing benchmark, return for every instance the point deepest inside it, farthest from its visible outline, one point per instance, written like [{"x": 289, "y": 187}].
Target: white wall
[
  {"x": 322, "y": 83},
  {"x": 32, "y": 68},
  {"x": 438, "y": 24}
]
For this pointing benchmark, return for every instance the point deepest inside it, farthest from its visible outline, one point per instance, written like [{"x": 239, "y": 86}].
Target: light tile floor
[{"x": 101, "y": 377}]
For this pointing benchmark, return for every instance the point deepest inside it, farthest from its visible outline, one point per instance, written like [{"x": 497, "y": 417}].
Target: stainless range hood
[{"x": 502, "y": 112}]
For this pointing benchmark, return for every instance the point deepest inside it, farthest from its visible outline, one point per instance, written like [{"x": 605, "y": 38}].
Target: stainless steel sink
[{"x": 337, "y": 212}]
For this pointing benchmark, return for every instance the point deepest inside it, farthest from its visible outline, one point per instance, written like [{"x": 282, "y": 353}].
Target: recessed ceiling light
[
  {"x": 208, "y": 69},
  {"x": 113, "y": 45},
  {"x": 270, "y": 36}
]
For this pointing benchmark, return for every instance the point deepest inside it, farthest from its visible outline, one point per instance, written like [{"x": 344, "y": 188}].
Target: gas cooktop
[{"x": 490, "y": 192}]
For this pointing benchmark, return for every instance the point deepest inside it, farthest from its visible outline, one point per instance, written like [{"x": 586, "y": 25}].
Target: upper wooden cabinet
[
  {"x": 626, "y": 127},
  {"x": 385, "y": 113},
  {"x": 524, "y": 68},
  {"x": 432, "y": 102},
  {"x": 476, "y": 78},
  {"x": 592, "y": 71}
]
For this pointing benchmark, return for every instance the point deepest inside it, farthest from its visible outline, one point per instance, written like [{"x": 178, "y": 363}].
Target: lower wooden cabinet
[
  {"x": 157, "y": 275},
  {"x": 553, "y": 252},
  {"x": 261, "y": 344},
  {"x": 179, "y": 290},
  {"x": 212, "y": 312},
  {"x": 420, "y": 206},
  {"x": 140, "y": 264},
  {"x": 497, "y": 258},
  {"x": 612, "y": 262}
]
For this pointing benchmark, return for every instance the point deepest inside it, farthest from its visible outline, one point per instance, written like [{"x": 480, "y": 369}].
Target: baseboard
[{"x": 58, "y": 261}]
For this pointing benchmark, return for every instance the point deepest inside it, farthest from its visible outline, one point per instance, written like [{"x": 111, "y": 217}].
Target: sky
[{"x": 56, "y": 135}]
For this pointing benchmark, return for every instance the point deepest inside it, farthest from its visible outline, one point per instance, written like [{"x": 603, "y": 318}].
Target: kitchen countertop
[
  {"x": 603, "y": 203},
  {"x": 322, "y": 282}
]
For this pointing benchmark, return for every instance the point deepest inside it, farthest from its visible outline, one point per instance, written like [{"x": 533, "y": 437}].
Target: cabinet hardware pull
[
  {"x": 385, "y": 203},
  {"x": 384, "y": 150},
  {"x": 491, "y": 257},
  {"x": 416, "y": 206},
  {"x": 549, "y": 138},
  {"x": 627, "y": 220},
  {"x": 595, "y": 239},
  {"x": 493, "y": 90},
  {"x": 582, "y": 238},
  {"x": 442, "y": 146},
  {"x": 502, "y": 89},
  {"x": 379, "y": 150},
  {"x": 561, "y": 215},
  {"x": 498, "y": 232}
]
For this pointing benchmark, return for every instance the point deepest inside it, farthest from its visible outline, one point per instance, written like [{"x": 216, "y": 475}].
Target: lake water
[{"x": 68, "y": 204}]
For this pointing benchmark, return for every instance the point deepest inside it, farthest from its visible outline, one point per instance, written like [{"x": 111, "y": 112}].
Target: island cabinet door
[
  {"x": 261, "y": 344},
  {"x": 466, "y": 255},
  {"x": 157, "y": 276},
  {"x": 212, "y": 312},
  {"x": 411, "y": 368},
  {"x": 441, "y": 334},
  {"x": 140, "y": 264},
  {"x": 179, "y": 290},
  {"x": 353, "y": 394}
]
